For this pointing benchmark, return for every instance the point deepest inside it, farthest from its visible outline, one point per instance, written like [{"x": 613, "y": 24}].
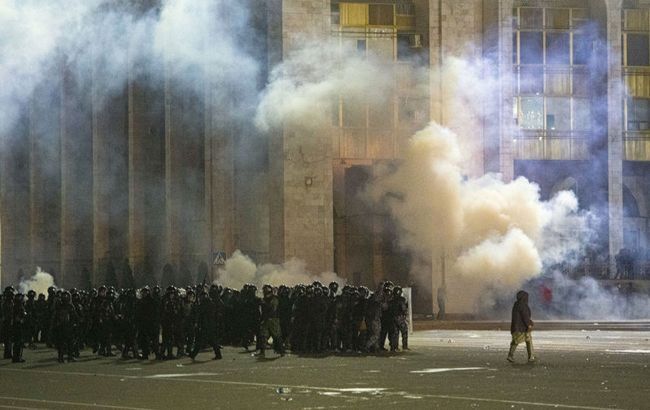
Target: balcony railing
[{"x": 547, "y": 144}]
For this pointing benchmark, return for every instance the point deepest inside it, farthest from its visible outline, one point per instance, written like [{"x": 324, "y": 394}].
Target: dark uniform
[
  {"x": 64, "y": 323},
  {"x": 146, "y": 324},
  {"x": 18, "y": 328},
  {"x": 270, "y": 324},
  {"x": 398, "y": 311},
  {"x": 209, "y": 313}
]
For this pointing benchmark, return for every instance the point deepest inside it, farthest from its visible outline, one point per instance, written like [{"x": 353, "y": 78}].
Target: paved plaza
[{"x": 580, "y": 369}]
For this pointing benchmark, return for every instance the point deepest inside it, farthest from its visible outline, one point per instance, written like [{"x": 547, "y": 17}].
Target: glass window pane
[
  {"x": 581, "y": 49},
  {"x": 380, "y": 14},
  {"x": 354, "y": 113},
  {"x": 580, "y": 84},
  {"x": 532, "y": 51},
  {"x": 531, "y": 113},
  {"x": 558, "y": 83},
  {"x": 531, "y": 17},
  {"x": 531, "y": 80},
  {"x": 557, "y": 48},
  {"x": 558, "y": 114},
  {"x": 636, "y": 20},
  {"x": 637, "y": 50},
  {"x": 557, "y": 18},
  {"x": 380, "y": 114},
  {"x": 581, "y": 115}
]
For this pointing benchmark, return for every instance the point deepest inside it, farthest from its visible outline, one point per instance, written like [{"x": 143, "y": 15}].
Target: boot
[
  {"x": 60, "y": 358},
  {"x": 217, "y": 354},
  {"x": 511, "y": 353},
  {"x": 529, "y": 349}
]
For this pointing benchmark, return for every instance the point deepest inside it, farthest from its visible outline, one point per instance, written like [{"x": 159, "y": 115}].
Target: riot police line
[{"x": 149, "y": 323}]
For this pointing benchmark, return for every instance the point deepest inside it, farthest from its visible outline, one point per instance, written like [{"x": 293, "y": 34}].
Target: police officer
[
  {"x": 18, "y": 328},
  {"x": 270, "y": 323},
  {"x": 398, "y": 311},
  {"x": 146, "y": 324},
  {"x": 64, "y": 323},
  {"x": 7, "y": 319}
]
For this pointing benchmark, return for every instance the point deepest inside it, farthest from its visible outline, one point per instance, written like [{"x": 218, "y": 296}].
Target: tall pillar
[
  {"x": 145, "y": 175},
  {"x": 76, "y": 179},
  {"x": 614, "y": 129},
  {"x": 306, "y": 230},
  {"x": 186, "y": 223},
  {"x": 45, "y": 177},
  {"x": 219, "y": 169},
  {"x": 15, "y": 196},
  {"x": 110, "y": 170},
  {"x": 506, "y": 123}
]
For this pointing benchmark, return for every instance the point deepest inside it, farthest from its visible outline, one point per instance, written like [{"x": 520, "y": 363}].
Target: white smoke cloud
[
  {"x": 497, "y": 235},
  {"x": 240, "y": 269},
  {"x": 39, "y": 282},
  {"x": 303, "y": 87}
]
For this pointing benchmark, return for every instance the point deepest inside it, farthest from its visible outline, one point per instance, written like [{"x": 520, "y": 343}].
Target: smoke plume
[
  {"x": 39, "y": 282},
  {"x": 240, "y": 269}
]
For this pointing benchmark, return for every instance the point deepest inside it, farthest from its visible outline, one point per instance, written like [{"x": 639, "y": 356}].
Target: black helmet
[
  {"x": 9, "y": 290},
  {"x": 31, "y": 294},
  {"x": 397, "y": 290}
]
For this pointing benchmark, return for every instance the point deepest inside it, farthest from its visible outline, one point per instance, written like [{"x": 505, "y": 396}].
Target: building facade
[{"x": 158, "y": 175}]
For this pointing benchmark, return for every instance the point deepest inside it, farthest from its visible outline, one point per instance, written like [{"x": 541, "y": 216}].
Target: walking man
[{"x": 521, "y": 327}]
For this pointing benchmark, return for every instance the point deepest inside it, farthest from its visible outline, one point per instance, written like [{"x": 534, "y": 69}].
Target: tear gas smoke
[
  {"x": 240, "y": 269},
  {"x": 587, "y": 299},
  {"x": 498, "y": 235},
  {"x": 39, "y": 282}
]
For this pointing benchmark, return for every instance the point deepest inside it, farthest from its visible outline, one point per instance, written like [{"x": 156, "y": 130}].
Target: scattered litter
[
  {"x": 179, "y": 365},
  {"x": 283, "y": 390},
  {"x": 486, "y": 347},
  {"x": 286, "y": 398},
  {"x": 412, "y": 397},
  {"x": 329, "y": 393},
  {"x": 447, "y": 369},
  {"x": 372, "y": 390},
  {"x": 588, "y": 337},
  {"x": 450, "y": 341},
  {"x": 122, "y": 380},
  {"x": 372, "y": 371}
]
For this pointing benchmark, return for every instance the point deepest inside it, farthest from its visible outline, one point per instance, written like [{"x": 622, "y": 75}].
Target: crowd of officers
[{"x": 149, "y": 323}]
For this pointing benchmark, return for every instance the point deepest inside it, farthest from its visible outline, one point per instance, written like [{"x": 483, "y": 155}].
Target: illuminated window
[{"x": 531, "y": 113}]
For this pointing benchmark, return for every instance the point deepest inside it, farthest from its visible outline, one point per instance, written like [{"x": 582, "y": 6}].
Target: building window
[
  {"x": 335, "y": 13},
  {"x": 531, "y": 113},
  {"x": 558, "y": 114},
  {"x": 557, "y": 18},
  {"x": 638, "y": 50},
  {"x": 638, "y": 114},
  {"x": 531, "y": 47},
  {"x": 531, "y": 80},
  {"x": 557, "y": 48},
  {"x": 381, "y": 15},
  {"x": 581, "y": 49},
  {"x": 531, "y": 18},
  {"x": 361, "y": 46}
]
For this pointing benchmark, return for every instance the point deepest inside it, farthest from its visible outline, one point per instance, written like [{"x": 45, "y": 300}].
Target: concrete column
[
  {"x": 186, "y": 223},
  {"x": 506, "y": 123},
  {"x": 145, "y": 175},
  {"x": 110, "y": 182},
  {"x": 614, "y": 129},
  {"x": 76, "y": 180},
  {"x": 15, "y": 197},
  {"x": 306, "y": 156},
  {"x": 219, "y": 169},
  {"x": 45, "y": 177}
]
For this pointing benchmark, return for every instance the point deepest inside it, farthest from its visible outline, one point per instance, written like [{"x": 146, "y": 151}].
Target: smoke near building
[{"x": 476, "y": 144}]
